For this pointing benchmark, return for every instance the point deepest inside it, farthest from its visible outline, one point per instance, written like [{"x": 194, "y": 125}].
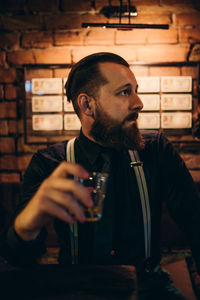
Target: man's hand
[{"x": 58, "y": 196}]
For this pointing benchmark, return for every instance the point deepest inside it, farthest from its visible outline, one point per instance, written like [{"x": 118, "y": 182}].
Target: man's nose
[{"x": 135, "y": 103}]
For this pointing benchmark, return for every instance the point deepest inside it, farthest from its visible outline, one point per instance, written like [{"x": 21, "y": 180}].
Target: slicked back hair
[{"x": 86, "y": 77}]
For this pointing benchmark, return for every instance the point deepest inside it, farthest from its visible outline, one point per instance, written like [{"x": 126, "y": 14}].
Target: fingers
[
  {"x": 66, "y": 202},
  {"x": 67, "y": 168},
  {"x": 69, "y": 186},
  {"x": 57, "y": 211}
]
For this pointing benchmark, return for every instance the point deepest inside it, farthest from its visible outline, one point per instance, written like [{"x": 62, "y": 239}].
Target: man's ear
[{"x": 84, "y": 103}]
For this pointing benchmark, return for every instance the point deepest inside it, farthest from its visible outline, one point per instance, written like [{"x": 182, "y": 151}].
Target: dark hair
[{"x": 85, "y": 76}]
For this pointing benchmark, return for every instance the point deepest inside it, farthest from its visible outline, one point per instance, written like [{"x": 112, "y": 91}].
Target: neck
[{"x": 86, "y": 133}]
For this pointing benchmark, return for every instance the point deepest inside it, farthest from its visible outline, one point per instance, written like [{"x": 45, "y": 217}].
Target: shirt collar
[{"x": 90, "y": 149}]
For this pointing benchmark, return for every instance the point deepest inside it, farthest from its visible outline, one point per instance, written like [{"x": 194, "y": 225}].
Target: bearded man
[{"x": 103, "y": 91}]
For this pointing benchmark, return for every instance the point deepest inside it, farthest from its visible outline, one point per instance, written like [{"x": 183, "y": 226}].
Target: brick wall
[{"x": 49, "y": 32}]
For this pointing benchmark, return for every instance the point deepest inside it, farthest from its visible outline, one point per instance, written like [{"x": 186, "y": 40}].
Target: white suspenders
[
  {"x": 137, "y": 165},
  {"x": 144, "y": 198},
  {"x": 73, "y": 228}
]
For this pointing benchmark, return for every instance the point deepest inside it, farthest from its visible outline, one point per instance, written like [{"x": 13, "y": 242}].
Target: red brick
[
  {"x": 9, "y": 40},
  {"x": 7, "y": 75},
  {"x": 20, "y": 90},
  {"x": 189, "y": 71},
  {"x": 127, "y": 52},
  {"x": 56, "y": 55},
  {"x": 189, "y": 35},
  {"x": 10, "y": 177},
  {"x": 61, "y": 73},
  {"x": 164, "y": 71},
  {"x": 147, "y": 2},
  {"x": 152, "y": 18},
  {"x": 78, "y": 5},
  {"x": 62, "y": 21},
  {"x": 23, "y": 161},
  {"x": 161, "y": 53},
  {"x": 20, "y": 126},
  {"x": 1, "y": 91},
  {"x": 8, "y": 110},
  {"x": 7, "y": 145},
  {"x": 22, "y": 22},
  {"x": 135, "y": 36},
  {"x": 191, "y": 160},
  {"x": 179, "y": 5},
  {"x": 188, "y": 19},
  {"x": 39, "y": 56},
  {"x": 21, "y": 57},
  {"x": 74, "y": 38},
  {"x": 10, "y": 92},
  {"x": 21, "y": 147},
  {"x": 160, "y": 36},
  {"x": 44, "y": 5},
  {"x": 12, "y": 126},
  {"x": 195, "y": 176},
  {"x": 176, "y": 2},
  {"x": 8, "y": 162},
  {"x": 139, "y": 70},
  {"x": 12, "y": 5},
  {"x": 71, "y": 21},
  {"x": 99, "y": 37},
  {"x": 38, "y": 73},
  {"x": 2, "y": 59},
  {"x": 37, "y": 39},
  {"x": 37, "y": 139},
  {"x": 3, "y": 127},
  {"x": 99, "y": 4}
]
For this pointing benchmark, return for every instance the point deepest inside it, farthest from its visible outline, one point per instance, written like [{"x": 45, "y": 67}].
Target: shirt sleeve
[
  {"x": 181, "y": 195},
  {"x": 15, "y": 250}
]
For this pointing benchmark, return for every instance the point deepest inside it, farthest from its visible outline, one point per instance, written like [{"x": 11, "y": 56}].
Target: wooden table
[{"x": 73, "y": 283}]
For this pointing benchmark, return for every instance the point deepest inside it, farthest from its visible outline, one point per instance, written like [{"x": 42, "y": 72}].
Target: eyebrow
[{"x": 128, "y": 85}]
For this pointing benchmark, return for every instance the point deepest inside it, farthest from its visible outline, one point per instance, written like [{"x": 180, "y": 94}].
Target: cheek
[
  {"x": 120, "y": 109},
  {"x": 115, "y": 108}
]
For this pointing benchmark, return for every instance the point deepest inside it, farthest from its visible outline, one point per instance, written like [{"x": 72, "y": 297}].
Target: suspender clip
[{"x": 136, "y": 164}]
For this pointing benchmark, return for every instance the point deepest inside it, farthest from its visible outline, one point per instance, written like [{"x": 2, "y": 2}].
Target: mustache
[{"x": 132, "y": 117}]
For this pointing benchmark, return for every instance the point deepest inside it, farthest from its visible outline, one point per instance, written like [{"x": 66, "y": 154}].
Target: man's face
[{"x": 116, "y": 109}]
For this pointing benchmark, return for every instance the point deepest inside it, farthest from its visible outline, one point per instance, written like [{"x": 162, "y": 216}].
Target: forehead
[{"x": 116, "y": 73}]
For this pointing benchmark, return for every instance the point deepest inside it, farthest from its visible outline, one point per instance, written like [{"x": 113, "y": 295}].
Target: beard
[{"x": 113, "y": 133}]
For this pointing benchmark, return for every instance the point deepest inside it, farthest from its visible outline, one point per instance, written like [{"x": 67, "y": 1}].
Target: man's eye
[{"x": 125, "y": 92}]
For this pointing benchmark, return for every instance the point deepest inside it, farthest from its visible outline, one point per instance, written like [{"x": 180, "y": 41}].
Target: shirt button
[{"x": 112, "y": 252}]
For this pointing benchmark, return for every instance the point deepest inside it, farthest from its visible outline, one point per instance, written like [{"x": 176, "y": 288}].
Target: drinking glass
[{"x": 96, "y": 183}]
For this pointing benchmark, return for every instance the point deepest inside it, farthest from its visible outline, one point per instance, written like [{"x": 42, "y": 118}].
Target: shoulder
[
  {"x": 153, "y": 138},
  {"x": 54, "y": 153},
  {"x": 160, "y": 149},
  {"x": 44, "y": 161},
  {"x": 156, "y": 143}
]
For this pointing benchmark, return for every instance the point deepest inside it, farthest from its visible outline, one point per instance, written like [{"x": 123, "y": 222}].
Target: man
[{"x": 103, "y": 91}]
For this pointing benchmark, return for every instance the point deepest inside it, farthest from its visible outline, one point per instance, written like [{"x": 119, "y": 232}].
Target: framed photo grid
[{"x": 169, "y": 104}]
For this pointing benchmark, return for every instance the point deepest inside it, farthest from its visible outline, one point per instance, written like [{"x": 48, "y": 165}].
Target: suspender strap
[
  {"x": 73, "y": 228},
  {"x": 144, "y": 197}
]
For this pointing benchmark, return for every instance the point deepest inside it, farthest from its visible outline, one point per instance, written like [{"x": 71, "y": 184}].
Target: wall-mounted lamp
[
  {"x": 122, "y": 11},
  {"x": 125, "y": 26},
  {"x": 115, "y": 11}
]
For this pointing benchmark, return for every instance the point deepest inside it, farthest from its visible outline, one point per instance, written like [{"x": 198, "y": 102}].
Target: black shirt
[{"x": 121, "y": 227}]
